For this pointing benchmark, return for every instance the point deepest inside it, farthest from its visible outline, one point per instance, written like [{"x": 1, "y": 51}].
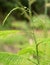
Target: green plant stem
[
  {"x": 23, "y": 10},
  {"x": 45, "y": 31},
  {"x": 9, "y": 14},
  {"x": 37, "y": 53},
  {"x": 46, "y": 1},
  {"x": 31, "y": 20}
]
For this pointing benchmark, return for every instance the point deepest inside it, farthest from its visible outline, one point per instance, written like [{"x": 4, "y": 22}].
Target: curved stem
[
  {"x": 9, "y": 14},
  {"x": 23, "y": 9}
]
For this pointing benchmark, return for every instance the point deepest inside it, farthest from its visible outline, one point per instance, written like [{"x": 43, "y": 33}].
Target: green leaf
[
  {"x": 26, "y": 50},
  {"x": 13, "y": 59},
  {"x": 9, "y": 59}
]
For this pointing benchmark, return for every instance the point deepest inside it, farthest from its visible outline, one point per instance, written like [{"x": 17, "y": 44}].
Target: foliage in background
[
  {"x": 7, "y": 5},
  {"x": 38, "y": 22},
  {"x": 35, "y": 53}
]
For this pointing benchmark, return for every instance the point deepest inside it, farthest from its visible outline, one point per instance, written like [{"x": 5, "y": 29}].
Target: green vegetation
[
  {"x": 25, "y": 41},
  {"x": 24, "y": 55}
]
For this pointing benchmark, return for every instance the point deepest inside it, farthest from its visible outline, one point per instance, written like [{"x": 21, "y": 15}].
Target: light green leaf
[{"x": 13, "y": 59}]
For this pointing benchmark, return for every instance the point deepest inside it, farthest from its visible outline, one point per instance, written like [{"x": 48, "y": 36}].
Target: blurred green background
[
  {"x": 16, "y": 33},
  {"x": 18, "y": 22}
]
